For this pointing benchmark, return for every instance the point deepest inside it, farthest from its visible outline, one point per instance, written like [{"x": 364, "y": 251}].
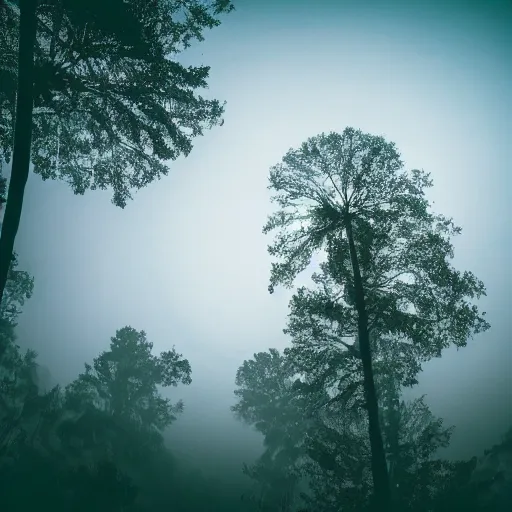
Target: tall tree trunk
[
  {"x": 22, "y": 137},
  {"x": 382, "y": 495}
]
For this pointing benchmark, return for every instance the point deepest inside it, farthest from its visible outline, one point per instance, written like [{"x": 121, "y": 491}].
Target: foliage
[
  {"x": 66, "y": 451},
  {"x": 19, "y": 285},
  {"x": 123, "y": 381},
  {"x": 331, "y": 449},
  {"x": 111, "y": 99},
  {"x": 19, "y": 399},
  {"x": 101, "y": 487},
  {"x": 18, "y": 289},
  {"x": 267, "y": 399},
  {"x": 264, "y": 390},
  {"x": 410, "y": 287},
  {"x": 3, "y": 191}
]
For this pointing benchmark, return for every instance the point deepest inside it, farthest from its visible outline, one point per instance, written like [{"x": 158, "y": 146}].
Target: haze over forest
[{"x": 186, "y": 260}]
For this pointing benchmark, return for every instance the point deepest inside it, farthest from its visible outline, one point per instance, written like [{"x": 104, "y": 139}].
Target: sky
[{"x": 186, "y": 260}]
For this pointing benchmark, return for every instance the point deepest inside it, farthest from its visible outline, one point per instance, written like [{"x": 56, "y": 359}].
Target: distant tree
[
  {"x": 124, "y": 380},
  {"x": 17, "y": 392},
  {"x": 489, "y": 487},
  {"x": 268, "y": 401},
  {"x": 95, "y": 96},
  {"x": 264, "y": 389},
  {"x": 348, "y": 194}
]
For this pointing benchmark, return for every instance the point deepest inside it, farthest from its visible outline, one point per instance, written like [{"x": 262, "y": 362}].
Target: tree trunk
[
  {"x": 22, "y": 137},
  {"x": 382, "y": 495}
]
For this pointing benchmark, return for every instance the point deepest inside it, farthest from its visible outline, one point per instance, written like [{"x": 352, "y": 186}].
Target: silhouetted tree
[
  {"x": 124, "y": 380},
  {"x": 267, "y": 400},
  {"x": 348, "y": 194},
  {"x": 328, "y": 452},
  {"x": 93, "y": 94}
]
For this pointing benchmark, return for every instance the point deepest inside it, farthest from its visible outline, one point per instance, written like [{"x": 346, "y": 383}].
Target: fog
[{"x": 186, "y": 260}]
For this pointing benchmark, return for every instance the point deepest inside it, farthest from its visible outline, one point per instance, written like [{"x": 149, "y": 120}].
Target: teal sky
[{"x": 186, "y": 260}]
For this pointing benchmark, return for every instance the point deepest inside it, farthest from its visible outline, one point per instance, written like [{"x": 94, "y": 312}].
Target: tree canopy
[
  {"x": 112, "y": 102},
  {"x": 404, "y": 250},
  {"x": 97, "y": 97},
  {"x": 123, "y": 381}
]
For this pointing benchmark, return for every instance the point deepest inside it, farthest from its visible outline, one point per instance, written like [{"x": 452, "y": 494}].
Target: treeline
[{"x": 96, "y": 444}]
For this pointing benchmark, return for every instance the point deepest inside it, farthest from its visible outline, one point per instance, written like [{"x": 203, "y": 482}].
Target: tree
[
  {"x": 18, "y": 389},
  {"x": 488, "y": 488},
  {"x": 348, "y": 194},
  {"x": 412, "y": 438},
  {"x": 123, "y": 381},
  {"x": 264, "y": 391},
  {"x": 329, "y": 449},
  {"x": 19, "y": 287},
  {"x": 95, "y": 97},
  {"x": 268, "y": 401}
]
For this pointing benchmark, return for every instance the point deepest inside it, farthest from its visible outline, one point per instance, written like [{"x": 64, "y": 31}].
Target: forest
[{"x": 98, "y": 98}]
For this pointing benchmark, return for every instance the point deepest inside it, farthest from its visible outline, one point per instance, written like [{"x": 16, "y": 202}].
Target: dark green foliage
[
  {"x": 403, "y": 249},
  {"x": 111, "y": 101},
  {"x": 94, "y": 95},
  {"x": 268, "y": 400},
  {"x": 18, "y": 289},
  {"x": 327, "y": 455},
  {"x": 99, "y": 445},
  {"x": 275, "y": 486},
  {"x": 72, "y": 451},
  {"x": 123, "y": 381},
  {"x": 3, "y": 191}
]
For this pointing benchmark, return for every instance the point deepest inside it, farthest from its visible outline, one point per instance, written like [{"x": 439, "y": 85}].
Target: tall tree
[
  {"x": 22, "y": 132},
  {"x": 349, "y": 195},
  {"x": 96, "y": 96}
]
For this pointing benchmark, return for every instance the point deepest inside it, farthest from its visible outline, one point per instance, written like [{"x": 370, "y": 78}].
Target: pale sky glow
[{"x": 186, "y": 260}]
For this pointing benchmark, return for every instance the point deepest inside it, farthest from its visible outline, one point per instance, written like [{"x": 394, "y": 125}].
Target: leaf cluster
[
  {"x": 112, "y": 102},
  {"x": 124, "y": 380}
]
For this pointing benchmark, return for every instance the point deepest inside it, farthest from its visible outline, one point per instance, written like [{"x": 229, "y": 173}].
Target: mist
[{"x": 186, "y": 260}]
